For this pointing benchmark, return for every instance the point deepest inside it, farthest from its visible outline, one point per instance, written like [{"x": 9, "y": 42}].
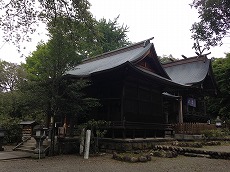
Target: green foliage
[
  {"x": 97, "y": 127},
  {"x": 14, "y": 96},
  {"x": 214, "y": 133},
  {"x": 13, "y": 130},
  {"x": 39, "y": 89},
  {"x": 20, "y": 19},
  {"x": 46, "y": 67},
  {"x": 11, "y": 75},
  {"x": 111, "y": 35},
  {"x": 73, "y": 101},
  {"x": 70, "y": 42},
  {"x": 98, "y": 130},
  {"x": 77, "y": 38},
  {"x": 51, "y": 60},
  {"x": 214, "y": 21},
  {"x": 220, "y": 105}
]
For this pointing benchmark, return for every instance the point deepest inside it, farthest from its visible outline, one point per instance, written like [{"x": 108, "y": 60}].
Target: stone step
[
  {"x": 29, "y": 144},
  {"x": 24, "y": 150},
  {"x": 28, "y": 147},
  {"x": 31, "y": 140}
]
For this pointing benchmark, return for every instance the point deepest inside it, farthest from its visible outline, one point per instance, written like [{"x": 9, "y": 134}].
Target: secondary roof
[{"x": 188, "y": 71}]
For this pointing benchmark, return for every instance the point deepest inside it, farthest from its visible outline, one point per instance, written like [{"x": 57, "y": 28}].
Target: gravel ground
[{"x": 69, "y": 163}]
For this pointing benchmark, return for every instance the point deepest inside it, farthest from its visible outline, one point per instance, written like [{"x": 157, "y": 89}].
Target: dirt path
[{"x": 69, "y": 163}]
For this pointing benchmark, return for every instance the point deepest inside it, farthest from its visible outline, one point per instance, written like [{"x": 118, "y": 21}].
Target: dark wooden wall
[
  {"x": 127, "y": 96},
  {"x": 142, "y": 103}
]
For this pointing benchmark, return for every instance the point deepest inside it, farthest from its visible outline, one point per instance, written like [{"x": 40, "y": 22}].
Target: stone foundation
[
  {"x": 129, "y": 145},
  {"x": 188, "y": 137}
]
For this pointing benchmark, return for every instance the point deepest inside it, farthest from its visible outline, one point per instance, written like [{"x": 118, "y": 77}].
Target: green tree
[
  {"x": 214, "y": 21},
  {"x": 221, "y": 104},
  {"x": 48, "y": 64},
  {"x": 20, "y": 19},
  {"x": 111, "y": 35},
  {"x": 11, "y": 77},
  {"x": 13, "y": 130},
  {"x": 65, "y": 49},
  {"x": 11, "y": 74}
]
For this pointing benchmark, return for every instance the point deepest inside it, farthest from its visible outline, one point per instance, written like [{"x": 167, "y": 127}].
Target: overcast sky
[{"x": 168, "y": 21}]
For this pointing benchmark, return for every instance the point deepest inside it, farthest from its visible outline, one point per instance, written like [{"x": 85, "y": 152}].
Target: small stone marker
[{"x": 87, "y": 144}]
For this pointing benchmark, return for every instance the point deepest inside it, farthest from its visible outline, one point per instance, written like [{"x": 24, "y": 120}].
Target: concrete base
[{"x": 187, "y": 137}]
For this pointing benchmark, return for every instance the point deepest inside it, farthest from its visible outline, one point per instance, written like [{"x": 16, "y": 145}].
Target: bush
[
  {"x": 13, "y": 132},
  {"x": 214, "y": 133},
  {"x": 98, "y": 130}
]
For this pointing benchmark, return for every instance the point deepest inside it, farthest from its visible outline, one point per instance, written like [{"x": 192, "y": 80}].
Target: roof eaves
[
  {"x": 170, "y": 95},
  {"x": 76, "y": 76}
]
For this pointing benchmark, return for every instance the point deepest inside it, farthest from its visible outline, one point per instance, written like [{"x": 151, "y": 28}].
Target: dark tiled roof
[
  {"x": 112, "y": 59},
  {"x": 188, "y": 71}
]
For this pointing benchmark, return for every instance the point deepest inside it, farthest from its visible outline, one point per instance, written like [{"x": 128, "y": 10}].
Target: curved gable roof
[
  {"x": 188, "y": 71},
  {"x": 113, "y": 59}
]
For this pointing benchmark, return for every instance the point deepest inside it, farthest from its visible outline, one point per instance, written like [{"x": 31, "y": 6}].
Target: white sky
[{"x": 168, "y": 21}]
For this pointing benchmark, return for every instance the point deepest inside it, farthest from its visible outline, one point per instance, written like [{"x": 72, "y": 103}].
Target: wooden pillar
[
  {"x": 133, "y": 137},
  {"x": 204, "y": 104},
  {"x": 166, "y": 117},
  {"x": 122, "y": 101},
  {"x": 180, "y": 110}
]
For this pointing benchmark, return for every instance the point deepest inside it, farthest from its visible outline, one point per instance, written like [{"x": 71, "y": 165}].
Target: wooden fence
[{"x": 192, "y": 128}]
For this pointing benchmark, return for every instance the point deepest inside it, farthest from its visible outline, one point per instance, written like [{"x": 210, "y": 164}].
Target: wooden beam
[{"x": 181, "y": 110}]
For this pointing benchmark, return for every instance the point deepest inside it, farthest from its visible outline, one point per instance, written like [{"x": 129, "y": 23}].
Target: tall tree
[
  {"x": 66, "y": 48},
  {"x": 10, "y": 75},
  {"x": 46, "y": 68},
  {"x": 221, "y": 104},
  {"x": 214, "y": 21},
  {"x": 111, "y": 35},
  {"x": 21, "y": 18}
]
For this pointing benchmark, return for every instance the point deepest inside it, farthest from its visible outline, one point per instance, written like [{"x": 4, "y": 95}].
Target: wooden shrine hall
[{"x": 132, "y": 86}]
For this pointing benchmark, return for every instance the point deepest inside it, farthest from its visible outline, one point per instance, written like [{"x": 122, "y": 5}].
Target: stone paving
[
  {"x": 8, "y": 153},
  {"x": 4, "y": 155}
]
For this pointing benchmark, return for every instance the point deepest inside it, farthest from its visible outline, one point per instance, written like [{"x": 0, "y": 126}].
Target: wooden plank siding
[
  {"x": 192, "y": 128},
  {"x": 141, "y": 103},
  {"x": 139, "y": 129}
]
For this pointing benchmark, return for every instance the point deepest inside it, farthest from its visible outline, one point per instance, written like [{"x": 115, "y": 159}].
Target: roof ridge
[
  {"x": 143, "y": 43},
  {"x": 184, "y": 61}
]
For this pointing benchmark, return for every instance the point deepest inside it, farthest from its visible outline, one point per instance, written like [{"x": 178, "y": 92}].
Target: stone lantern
[
  {"x": 218, "y": 122},
  {"x": 40, "y": 135}
]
